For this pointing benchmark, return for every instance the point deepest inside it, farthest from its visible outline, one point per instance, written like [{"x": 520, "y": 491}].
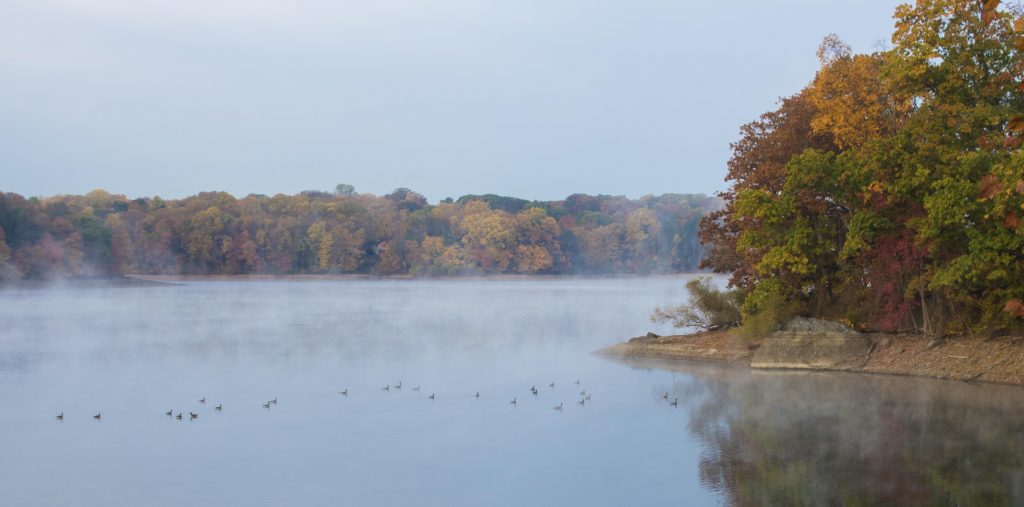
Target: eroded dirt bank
[{"x": 996, "y": 360}]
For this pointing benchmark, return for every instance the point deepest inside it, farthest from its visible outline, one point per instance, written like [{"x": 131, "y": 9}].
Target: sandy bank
[
  {"x": 714, "y": 346},
  {"x": 997, "y": 360}
]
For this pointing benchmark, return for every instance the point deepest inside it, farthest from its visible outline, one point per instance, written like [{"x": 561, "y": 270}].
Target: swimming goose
[
  {"x": 219, "y": 407},
  {"x": 583, "y": 401},
  {"x": 675, "y": 402},
  {"x": 60, "y": 416},
  {"x": 98, "y": 415},
  {"x": 552, "y": 384},
  {"x": 431, "y": 396},
  {"x": 178, "y": 417},
  {"x": 587, "y": 397},
  {"x": 266, "y": 405},
  {"x": 202, "y": 400},
  {"x": 343, "y": 393},
  {"x": 665, "y": 396},
  {"x": 583, "y": 392},
  {"x": 386, "y": 388},
  {"x": 478, "y": 394},
  {"x": 577, "y": 381},
  {"x": 559, "y": 407},
  {"x": 274, "y": 401},
  {"x": 398, "y": 385},
  {"x": 417, "y": 388},
  {"x": 513, "y": 401},
  {"x": 169, "y": 413},
  {"x": 192, "y": 415}
]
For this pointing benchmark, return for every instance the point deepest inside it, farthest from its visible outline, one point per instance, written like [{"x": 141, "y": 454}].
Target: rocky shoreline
[{"x": 971, "y": 359}]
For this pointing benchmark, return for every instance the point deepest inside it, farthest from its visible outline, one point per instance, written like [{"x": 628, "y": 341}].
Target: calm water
[{"x": 737, "y": 437}]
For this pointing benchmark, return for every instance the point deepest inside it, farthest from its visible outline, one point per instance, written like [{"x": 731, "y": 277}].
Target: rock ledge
[{"x": 813, "y": 344}]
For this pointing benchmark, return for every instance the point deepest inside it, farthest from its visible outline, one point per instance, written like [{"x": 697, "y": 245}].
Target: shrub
[
  {"x": 767, "y": 315},
  {"x": 708, "y": 308}
]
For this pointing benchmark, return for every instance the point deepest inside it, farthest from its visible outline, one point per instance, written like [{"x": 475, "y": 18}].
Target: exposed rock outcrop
[{"x": 813, "y": 344}]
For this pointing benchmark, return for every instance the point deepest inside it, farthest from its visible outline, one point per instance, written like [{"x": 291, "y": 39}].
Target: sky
[{"x": 537, "y": 99}]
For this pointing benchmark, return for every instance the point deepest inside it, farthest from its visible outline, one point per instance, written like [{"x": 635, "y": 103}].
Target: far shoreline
[
  {"x": 366, "y": 276},
  {"x": 130, "y": 280},
  {"x": 93, "y": 282}
]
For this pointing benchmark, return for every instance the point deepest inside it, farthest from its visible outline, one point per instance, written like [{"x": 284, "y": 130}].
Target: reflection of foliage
[
  {"x": 346, "y": 232},
  {"x": 810, "y": 439}
]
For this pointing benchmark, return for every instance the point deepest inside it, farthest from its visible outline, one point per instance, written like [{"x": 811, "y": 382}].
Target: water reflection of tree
[{"x": 835, "y": 439}]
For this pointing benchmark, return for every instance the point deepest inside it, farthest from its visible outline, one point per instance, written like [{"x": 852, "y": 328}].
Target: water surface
[{"x": 736, "y": 437}]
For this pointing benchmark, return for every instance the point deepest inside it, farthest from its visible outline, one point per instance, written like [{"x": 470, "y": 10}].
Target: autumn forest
[
  {"x": 101, "y": 234},
  {"x": 888, "y": 193}
]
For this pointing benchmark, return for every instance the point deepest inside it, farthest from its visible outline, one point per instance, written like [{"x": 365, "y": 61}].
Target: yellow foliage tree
[
  {"x": 489, "y": 237},
  {"x": 322, "y": 243},
  {"x": 853, "y": 102},
  {"x": 532, "y": 259}
]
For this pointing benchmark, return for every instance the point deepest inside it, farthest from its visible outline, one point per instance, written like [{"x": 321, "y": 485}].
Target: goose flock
[
  {"x": 584, "y": 398},
  {"x": 584, "y": 395}
]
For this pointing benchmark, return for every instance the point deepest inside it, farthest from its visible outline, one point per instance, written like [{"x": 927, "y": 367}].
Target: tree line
[
  {"x": 889, "y": 192},
  {"x": 102, "y": 234}
]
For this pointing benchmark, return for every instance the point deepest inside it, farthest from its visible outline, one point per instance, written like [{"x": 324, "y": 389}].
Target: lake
[{"x": 736, "y": 437}]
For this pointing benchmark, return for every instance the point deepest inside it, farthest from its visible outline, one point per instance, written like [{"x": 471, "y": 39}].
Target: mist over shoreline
[{"x": 344, "y": 232}]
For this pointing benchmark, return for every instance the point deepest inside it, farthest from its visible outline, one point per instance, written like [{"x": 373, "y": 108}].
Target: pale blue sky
[{"x": 531, "y": 98}]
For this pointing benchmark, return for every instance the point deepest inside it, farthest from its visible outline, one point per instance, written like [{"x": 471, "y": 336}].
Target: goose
[
  {"x": 675, "y": 402},
  {"x": 202, "y": 400},
  {"x": 343, "y": 393},
  {"x": 665, "y": 396},
  {"x": 192, "y": 415},
  {"x": 583, "y": 392},
  {"x": 98, "y": 416},
  {"x": 431, "y": 396},
  {"x": 60, "y": 416},
  {"x": 478, "y": 394},
  {"x": 169, "y": 413},
  {"x": 577, "y": 381},
  {"x": 559, "y": 407},
  {"x": 266, "y": 405},
  {"x": 274, "y": 401},
  {"x": 178, "y": 417},
  {"x": 386, "y": 388},
  {"x": 398, "y": 385},
  {"x": 417, "y": 388},
  {"x": 219, "y": 407},
  {"x": 513, "y": 401},
  {"x": 587, "y": 397},
  {"x": 583, "y": 401},
  {"x": 552, "y": 384}
]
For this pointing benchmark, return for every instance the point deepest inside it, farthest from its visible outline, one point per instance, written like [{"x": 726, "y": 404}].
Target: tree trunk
[{"x": 924, "y": 313}]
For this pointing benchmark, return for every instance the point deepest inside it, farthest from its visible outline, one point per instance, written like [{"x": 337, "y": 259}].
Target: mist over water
[{"x": 736, "y": 437}]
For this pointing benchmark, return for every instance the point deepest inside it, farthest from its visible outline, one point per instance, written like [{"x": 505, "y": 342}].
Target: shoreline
[
  {"x": 964, "y": 359},
  {"x": 333, "y": 277},
  {"x": 94, "y": 282},
  {"x": 165, "y": 280}
]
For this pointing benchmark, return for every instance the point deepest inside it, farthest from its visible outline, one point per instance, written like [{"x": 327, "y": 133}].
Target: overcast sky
[{"x": 532, "y": 98}]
